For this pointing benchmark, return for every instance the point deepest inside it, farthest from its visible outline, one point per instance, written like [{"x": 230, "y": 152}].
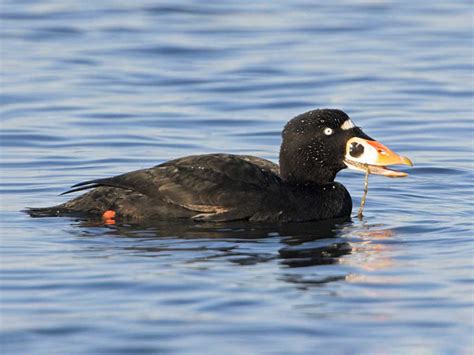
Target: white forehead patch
[{"x": 348, "y": 124}]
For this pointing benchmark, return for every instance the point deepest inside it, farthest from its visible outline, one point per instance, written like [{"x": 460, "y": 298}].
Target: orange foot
[{"x": 109, "y": 217}]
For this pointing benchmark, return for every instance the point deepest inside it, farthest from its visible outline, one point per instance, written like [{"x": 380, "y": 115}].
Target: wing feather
[{"x": 205, "y": 183}]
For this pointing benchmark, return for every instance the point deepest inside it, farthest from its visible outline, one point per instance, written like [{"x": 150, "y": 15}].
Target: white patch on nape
[{"x": 348, "y": 124}]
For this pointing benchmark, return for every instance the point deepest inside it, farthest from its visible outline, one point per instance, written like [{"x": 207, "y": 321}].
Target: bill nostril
[{"x": 356, "y": 150}]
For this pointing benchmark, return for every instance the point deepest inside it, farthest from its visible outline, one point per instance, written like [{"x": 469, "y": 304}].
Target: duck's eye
[{"x": 328, "y": 131}]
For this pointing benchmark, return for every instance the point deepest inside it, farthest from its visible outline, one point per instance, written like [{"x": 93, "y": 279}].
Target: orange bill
[{"x": 363, "y": 154}]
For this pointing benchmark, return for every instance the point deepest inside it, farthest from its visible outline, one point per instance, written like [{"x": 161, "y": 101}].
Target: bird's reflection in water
[
  {"x": 364, "y": 243},
  {"x": 294, "y": 245},
  {"x": 312, "y": 244},
  {"x": 371, "y": 252}
]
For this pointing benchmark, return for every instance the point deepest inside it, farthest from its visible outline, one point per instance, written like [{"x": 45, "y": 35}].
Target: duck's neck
[{"x": 298, "y": 170}]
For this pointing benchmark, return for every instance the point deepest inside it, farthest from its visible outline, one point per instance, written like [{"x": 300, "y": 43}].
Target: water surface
[{"x": 93, "y": 89}]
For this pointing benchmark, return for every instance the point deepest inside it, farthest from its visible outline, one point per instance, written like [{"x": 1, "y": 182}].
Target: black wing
[{"x": 205, "y": 183}]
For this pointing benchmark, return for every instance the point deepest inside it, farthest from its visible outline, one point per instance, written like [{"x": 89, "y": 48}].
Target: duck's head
[{"x": 318, "y": 144}]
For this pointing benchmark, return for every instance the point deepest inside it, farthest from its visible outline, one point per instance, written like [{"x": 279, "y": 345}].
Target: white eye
[{"x": 328, "y": 131}]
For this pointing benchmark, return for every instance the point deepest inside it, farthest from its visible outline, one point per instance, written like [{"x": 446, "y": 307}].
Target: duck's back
[{"x": 203, "y": 187}]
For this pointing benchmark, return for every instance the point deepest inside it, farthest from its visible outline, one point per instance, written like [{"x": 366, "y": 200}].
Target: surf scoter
[{"x": 225, "y": 187}]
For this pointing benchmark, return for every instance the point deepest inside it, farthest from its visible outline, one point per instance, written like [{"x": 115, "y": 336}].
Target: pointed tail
[{"x": 53, "y": 211}]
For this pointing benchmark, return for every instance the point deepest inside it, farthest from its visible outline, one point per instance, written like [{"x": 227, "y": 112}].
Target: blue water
[{"x": 93, "y": 89}]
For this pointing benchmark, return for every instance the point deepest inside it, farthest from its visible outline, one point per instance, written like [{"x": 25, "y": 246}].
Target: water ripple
[{"x": 101, "y": 88}]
